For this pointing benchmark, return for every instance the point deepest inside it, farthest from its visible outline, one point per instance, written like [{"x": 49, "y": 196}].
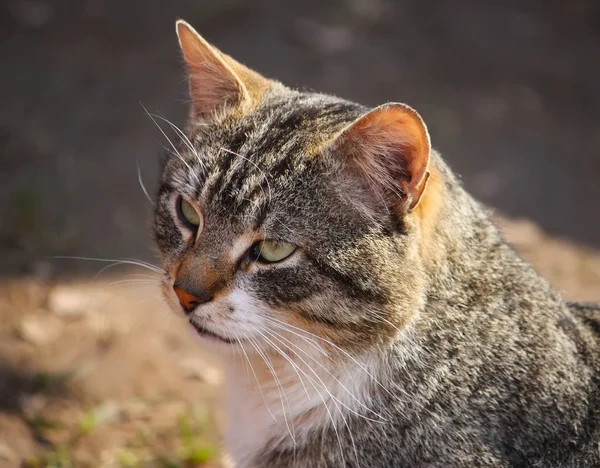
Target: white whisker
[
  {"x": 143, "y": 262},
  {"x": 255, "y": 376},
  {"x": 313, "y": 383},
  {"x": 282, "y": 395},
  {"x": 114, "y": 262},
  {"x": 141, "y": 182},
  {"x": 286, "y": 326},
  {"x": 172, "y": 145},
  {"x": 184, "y": 137},
  {"x": 130, "y": 281},
  {"x": 381, "y": 419}
]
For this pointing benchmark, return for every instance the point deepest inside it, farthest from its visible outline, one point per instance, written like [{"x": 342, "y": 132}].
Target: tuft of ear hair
[
  {"x": 388, "y": 148},
  {"x": 216, "y": 80}
]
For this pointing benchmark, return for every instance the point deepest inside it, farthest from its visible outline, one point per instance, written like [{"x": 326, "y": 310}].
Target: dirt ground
[{"x": 95, "y": 371}]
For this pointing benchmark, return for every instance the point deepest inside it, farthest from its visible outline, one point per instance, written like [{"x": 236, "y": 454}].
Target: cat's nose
[{"x": 190, "y": 300}]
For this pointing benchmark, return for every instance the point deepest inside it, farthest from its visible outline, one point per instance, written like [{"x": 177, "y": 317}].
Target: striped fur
[{"x": 390, "y": 338}]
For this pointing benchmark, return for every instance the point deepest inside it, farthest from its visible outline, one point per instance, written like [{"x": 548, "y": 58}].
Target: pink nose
[{"x": 188, "y": 301}]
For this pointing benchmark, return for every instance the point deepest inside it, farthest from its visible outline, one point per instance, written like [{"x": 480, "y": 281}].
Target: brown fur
[{"x": 403, "y": 331}]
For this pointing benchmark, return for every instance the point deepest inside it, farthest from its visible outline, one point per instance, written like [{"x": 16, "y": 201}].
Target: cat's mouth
[{"x": 208, "y": 333}]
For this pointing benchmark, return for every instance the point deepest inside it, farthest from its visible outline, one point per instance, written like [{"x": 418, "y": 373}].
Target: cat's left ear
[
  {"x": 389, "y": 149},
  {"x": 216, "y": 80}
]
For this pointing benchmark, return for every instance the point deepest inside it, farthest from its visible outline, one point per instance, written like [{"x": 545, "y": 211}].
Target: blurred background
[{"x": 509, "y": 89}]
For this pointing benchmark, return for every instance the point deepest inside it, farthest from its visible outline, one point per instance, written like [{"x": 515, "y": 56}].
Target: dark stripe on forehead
[
  {"x": 277, "y": 150},
  {"x": 237, "y": 140},
  {"x": 263, "y": 209},
  {"x": 269, "y": 175},
  {"x": 290, "y": 164},
  {"x": 258, "y": 195},
  {"x": 261, "y": 190},
  {"x": 250, "y": 162},
  {"x": 245, "y": 168},
  {"x": 283, "y": 165},
  {"x": 220, "y": 144},
  {"x": 225, "y": 160},
  {"x": 269, "y": 140}
]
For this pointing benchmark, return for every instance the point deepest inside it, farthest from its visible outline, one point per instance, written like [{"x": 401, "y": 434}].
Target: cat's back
[{"x": 584, "y": 329}]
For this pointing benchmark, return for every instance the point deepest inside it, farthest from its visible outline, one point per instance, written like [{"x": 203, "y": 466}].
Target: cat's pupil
[{"x": 255, "y": 251}]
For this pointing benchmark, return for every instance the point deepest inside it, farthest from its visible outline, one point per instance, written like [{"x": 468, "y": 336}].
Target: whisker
[
  {"x": 141, "y": 182},
  {"x": 148, "y": 264},
  {"x": 312, "y": 382},
  {"x": 114, "y": 261},
  {"x": 192, "y": 172},
  {"x": 141, "y": 276},
  {"x": 334, "y": 399},
  {"x": 255, "y": 376},
  {"x": 282, "y": 395},
  {"x": 131, "y": 281},
  {"x": 268, "y": 362},
  {"x": 312, "y": 343},
  {"x": 337, "y": 380},
  {"x": 288, "y": 359},
  {"x": 286, "y": 325},
  {"x": 184, "y": 137},
  {"x": 325, "y": 387}
]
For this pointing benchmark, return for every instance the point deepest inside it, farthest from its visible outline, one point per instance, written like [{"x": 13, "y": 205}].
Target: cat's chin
[{"x": 209, "y": 335}]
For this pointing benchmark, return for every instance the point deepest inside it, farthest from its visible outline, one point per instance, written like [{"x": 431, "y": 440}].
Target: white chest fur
[{"x": 279, "y": 403}]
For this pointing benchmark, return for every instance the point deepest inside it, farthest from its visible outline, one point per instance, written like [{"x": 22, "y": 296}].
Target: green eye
[
  {"x": 187, "y": 213},
  {"x": 271, "y": 251}
]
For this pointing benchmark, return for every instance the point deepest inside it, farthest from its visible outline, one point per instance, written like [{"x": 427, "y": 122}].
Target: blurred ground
[{"x": 99, "y": 374}]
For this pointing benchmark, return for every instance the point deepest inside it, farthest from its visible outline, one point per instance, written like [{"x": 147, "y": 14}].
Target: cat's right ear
[{"x": 216, "y": 80}]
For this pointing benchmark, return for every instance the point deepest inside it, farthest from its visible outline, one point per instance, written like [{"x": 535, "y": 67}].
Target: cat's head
[{"x": 290, "y": 212}]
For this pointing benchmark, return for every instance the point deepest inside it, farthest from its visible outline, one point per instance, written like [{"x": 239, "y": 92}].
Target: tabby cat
[{"x": 368, "y": 311}]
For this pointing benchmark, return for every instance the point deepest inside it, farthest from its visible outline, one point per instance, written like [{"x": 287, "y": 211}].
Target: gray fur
[{"x": 502, "y": 372}]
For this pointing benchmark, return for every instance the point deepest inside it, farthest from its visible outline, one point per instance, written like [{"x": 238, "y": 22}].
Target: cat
[{"x": 368, "y": 311}]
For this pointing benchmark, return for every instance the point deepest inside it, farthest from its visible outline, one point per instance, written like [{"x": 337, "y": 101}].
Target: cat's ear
[
  {"x": 216, "y": 80},
  {"x": 389, "y": 149}
]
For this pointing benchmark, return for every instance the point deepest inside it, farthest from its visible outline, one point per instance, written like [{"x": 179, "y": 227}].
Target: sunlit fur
[{"x": 390, "y": 337}]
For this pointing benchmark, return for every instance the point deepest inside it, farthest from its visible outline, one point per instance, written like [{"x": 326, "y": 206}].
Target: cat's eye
[
  {"x": 272, "y": 251},
  {"x": 187, "y": 213}
]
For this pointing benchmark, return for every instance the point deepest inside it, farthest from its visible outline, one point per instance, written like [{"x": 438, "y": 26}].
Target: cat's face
[{"x": 285, "y": 212}]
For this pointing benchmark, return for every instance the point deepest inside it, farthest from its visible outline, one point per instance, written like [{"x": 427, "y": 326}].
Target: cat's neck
[
  {"x": 281, "y": 398},
  {"x": 457, "y": 240}
]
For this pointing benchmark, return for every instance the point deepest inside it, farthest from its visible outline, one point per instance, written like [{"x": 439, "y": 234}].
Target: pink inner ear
[
  {"x": 389, "y": 146},
  {"x": 213, "y": 84},
  {"x": 210, "y": 91}
]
